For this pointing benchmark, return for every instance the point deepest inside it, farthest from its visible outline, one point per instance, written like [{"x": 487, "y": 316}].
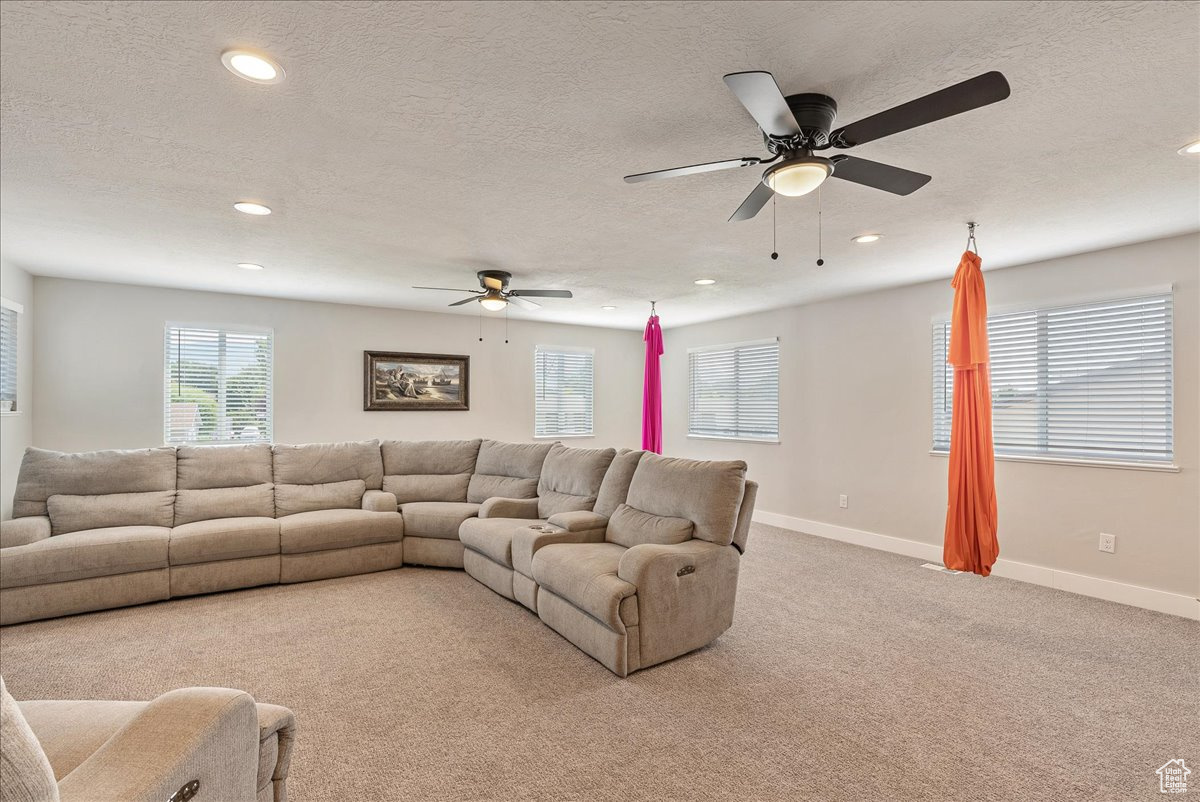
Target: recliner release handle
[
  {"x": 186, "y": 792},
  {"x": 685, "y": 570}
]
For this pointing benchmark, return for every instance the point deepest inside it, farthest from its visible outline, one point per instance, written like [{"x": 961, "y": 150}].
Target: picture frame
[{"x": 405, "y": 381}]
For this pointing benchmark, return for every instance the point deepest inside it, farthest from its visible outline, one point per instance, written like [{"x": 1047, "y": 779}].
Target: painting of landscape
[{"x": 408, "y": 381}]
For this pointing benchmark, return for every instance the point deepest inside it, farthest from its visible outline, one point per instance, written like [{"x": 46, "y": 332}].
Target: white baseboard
[{"x": 1158, "y": 600}]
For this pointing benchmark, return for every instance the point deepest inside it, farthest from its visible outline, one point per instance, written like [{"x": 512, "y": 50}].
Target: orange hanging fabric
[{"x": 971, "y": 512}]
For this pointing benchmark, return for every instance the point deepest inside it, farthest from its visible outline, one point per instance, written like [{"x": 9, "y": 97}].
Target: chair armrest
[
  {"x": 277, "y": 721},
  {"x": 685, "y": 595},
  {"x": 208, "y": 735},
  {"x": 526, "y": 542},
  {"x": 509, "y": 508},
  {"x": 579, "y": 521},
  {"x": 23, "y": 531},
  {"x": 379, "y": 501}
]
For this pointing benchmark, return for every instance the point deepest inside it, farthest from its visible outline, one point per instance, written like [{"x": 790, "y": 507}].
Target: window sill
[
  {"x": 1082, "y": 463},
  {"x": 178, "y": 443},
  {"x": 563, "y": 436},
  {"x": 11, "y": 412},
  {"x": 772, "y": 441}
]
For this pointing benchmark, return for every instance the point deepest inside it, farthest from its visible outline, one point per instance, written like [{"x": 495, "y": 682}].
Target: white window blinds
[
  {"x": 1089, "y": 381},
  {"x": 734, "y": 391},
  {"x": 218, "y": 385},
  {"x": 562, "y": 391},
  {"x": 10, "y": 314}
]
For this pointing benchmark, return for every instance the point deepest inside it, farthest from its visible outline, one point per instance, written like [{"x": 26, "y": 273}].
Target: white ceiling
[{"x": 416, "y": 143}]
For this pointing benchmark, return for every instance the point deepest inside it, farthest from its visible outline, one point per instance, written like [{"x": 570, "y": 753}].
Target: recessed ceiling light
[
  {"x": 704, "y": 282},
  {"x": 1194, "y": 147},
  {"x": 250, "y": 207},
  {"x": 608, "y": 308},
  {"x": 249, "y": 266},
  {"x": 255, "y": 67},
  {"x": 865, "y": 238}
]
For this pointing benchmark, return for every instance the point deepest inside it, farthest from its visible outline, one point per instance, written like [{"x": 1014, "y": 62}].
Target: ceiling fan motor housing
[
  {"x": 502, "y": 276},
  {"x": 814, "y": 114}
]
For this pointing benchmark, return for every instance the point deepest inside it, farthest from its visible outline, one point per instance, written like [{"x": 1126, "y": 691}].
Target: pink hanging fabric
[{"x": 652, "y": 388}]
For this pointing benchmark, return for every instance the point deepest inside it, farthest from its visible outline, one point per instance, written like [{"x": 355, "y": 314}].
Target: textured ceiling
[{"x": 416, "y": 143}]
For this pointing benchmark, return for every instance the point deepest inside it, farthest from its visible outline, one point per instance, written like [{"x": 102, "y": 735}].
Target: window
[
  {"x": 1089, "y": 381},
  {"x": 562, "y": 386},
  {"x": 734, "y": 391},
  {"x": 218, "y": 385},
  {"x": 10, "y": 315}
]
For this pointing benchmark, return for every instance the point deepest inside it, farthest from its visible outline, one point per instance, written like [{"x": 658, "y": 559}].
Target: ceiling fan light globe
[
  {"x": 493, "y": 304},
  {"x": 797, "y": 177}
]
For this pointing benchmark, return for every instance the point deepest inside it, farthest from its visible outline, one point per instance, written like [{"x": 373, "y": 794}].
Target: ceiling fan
[
  {"x": 796, "y": 126},
  {"x": 496, "y": 295}
]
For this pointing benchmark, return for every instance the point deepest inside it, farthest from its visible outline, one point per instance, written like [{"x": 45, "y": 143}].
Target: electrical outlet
[
  {"x": 1108, "y": 543},
  {"x": 843, "y": 501}
]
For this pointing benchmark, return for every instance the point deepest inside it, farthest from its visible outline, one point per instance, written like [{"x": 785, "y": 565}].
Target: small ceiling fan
[
  {"x": 496, "y": 295},
  {"x": 795, "y": 127}
]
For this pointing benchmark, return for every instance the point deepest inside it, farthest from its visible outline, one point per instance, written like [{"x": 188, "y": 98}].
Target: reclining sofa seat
[
  {"x": 91, "y": 531},
  {"x": 334, "y": 518},
  {"x": 225, "y": 534},
  {"x": 664, "y": 579},
  {"x": 440, "y": 484},
  {"x": 578, "y": 489}
]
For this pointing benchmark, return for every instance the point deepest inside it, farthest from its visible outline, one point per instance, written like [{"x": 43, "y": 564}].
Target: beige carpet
[{"x": 849, "y": 674}]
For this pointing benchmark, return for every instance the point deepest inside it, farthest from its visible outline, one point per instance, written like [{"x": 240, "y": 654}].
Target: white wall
[
  {"x": 16, "y": 429},
  {"x": 99, "y": 370},
  {"x": 856, "y": 409}
]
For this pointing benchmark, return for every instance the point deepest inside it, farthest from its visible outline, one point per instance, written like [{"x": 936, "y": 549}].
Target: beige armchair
[{"x": 197, "y": 744}]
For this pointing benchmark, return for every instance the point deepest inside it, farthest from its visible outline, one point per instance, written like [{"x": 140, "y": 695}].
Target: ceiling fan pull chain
[
  {"x": 774, "y": 228},
  {"x": 481, "y": 324},
  {"x": 506, "y": 325},
  {"x": 820, "y": 261}
]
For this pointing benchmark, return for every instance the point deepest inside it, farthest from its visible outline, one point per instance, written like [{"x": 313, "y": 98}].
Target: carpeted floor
[{"x": 849, "y": 674}]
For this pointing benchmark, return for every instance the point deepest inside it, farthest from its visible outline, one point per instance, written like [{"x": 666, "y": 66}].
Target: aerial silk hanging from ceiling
[
  {"x": 652, "y": 387},
  {"x": 971, "y": 512}
]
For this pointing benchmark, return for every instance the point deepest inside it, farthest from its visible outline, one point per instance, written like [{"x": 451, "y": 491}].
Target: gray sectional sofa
[{"x": 631, "y": 556}]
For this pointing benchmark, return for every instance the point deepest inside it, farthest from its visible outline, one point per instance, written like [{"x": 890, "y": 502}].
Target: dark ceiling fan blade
[
  {"x": 464, "y": 301},
  {"x": 523, "y": 303},
  {"x": 970, "y": 94},
  {"x": 691, "y": 169},
  {"x": 753, "y": 202},
  {"x": 761, "y": 96},
  {"x": 447, "y": 289},
  {"x": 880, "y": 176},
  {"x": 542, "y": 293}
]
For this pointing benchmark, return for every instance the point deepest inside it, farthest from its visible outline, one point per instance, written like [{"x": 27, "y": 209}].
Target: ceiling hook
[
  {"x": 652, "y": 312},
  {"x": 971, "y": 244}
]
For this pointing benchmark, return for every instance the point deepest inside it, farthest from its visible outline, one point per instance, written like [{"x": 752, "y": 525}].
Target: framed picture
[{"x": 402, "y": 381}]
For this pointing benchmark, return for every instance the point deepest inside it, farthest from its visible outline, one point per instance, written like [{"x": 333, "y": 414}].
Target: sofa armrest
[
  {"x": 209, "y": 735},
  {"x": 526, "y": 542},
  {"x": 23, "y": 531},
  {"x": 509, "y": 508},
  {"x": 579, "y": 521},
  {"x": 685, "y": 593},
  {"x": 379, "y": 501}
]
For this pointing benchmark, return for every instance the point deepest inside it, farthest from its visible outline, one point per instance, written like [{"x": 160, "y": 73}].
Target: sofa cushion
[
  {"x": 615, "y": 488},
  {"x": 84, "y": 555},
  {"x": 585, "y": 574},
  {"x": 440, "y": 519},
  {"x": 76, "y": 513},
  {"x": 631, "y": 527},
  {"x": 433, "y": 470},
  {"x": 507, "y": 470},
  {"x": 324, "y": 463},
  {"x": 337, "y": 529},
  {"x": 223, "y": 539},
  {"x": 25, "y": 772},
  {"x": 493, "y": 537},
  {"x": 292, "y": 499},
  {"x": 708, "y": 494},
  {"x": 207, "y": 467},
  {"x": 72, "y": 730},
  {"x": 571, "y": 478},
  {"x": 255, "y": 501},
  {"x": 91, "y": 473}
]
